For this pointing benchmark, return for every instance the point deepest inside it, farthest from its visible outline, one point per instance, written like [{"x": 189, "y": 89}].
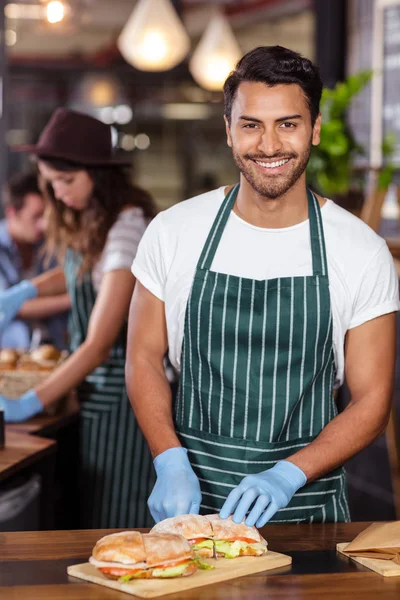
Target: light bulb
[
  {"x": 153, "y": 38},
  {"x": 216, "y": 55},
  {"x": 153, "y": 47},
  {"x": 217, "y": 70},
  {"x": 55, "y": 11}
]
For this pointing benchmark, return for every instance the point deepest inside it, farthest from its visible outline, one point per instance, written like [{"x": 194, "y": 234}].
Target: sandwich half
[
  {"x": 195, "y": 528},
  {"x": 132, "y": 555},
  {"x": 232, "y": 539}
]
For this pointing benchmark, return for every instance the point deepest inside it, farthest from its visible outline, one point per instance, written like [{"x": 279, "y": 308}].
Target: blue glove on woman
[
  {"x": 22, "y": 409},
  {"x": 270, "y": 490},
  {"x": 177, "y": 489},
  {"x": 12, "y": 299}
]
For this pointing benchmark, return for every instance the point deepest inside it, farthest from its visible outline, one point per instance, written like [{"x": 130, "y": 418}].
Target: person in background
[
  {"x": 21, "y": 237},
  {"x": 95, "y": 220}
]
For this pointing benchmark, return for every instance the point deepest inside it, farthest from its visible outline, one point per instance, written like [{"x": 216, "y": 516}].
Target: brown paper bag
[{"x": 379, "y": 540}]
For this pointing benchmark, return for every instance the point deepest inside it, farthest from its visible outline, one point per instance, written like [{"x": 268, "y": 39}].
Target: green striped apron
[
  {"x": 116, "y": 467},
  {"x": 257, "y": 375}
]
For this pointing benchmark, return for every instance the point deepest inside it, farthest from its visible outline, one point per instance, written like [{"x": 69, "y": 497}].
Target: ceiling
[{"x": 91, "y": 29}]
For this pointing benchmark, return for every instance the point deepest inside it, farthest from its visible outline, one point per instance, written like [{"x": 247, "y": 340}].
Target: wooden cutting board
[
  {"x": 225, "y": 569},
  {"x": 387, "y": 568}
]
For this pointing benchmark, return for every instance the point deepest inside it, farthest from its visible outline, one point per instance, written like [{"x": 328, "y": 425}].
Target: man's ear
[
  {"x": 228, "y": 132},
  {"x": 316, "y": 136}
]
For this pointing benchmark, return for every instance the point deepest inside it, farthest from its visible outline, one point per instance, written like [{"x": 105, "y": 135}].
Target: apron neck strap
[
  {"x": 318, "y": 250},
  {"x": 217, "y": 229},
  {"x": 316, "y": 233}
]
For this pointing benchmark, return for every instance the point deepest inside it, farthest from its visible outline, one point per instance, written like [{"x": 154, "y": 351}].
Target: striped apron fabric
[
  {"x": 257, "y": 376},
  {"x": 117, "y": 473}
]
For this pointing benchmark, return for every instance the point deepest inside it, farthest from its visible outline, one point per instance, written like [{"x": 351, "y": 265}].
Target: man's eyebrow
[
  {"x": 280, "y": 120},
  {"x": 288, "y": 118},
  {"x": 246, "y": 118}
]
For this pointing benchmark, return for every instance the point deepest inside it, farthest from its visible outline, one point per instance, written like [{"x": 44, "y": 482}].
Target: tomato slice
[
  {"x": 197, "y": 540},
  {"x": 241, "y": 539},
  {"x": 118, "y": 572}
]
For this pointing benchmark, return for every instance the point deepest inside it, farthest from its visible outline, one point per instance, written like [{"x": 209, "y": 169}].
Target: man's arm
[
  {"x": 369, "y": 367},
  {"x": 147, "y": 385}
]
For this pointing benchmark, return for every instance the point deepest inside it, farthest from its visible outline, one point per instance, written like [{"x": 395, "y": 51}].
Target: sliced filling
[
  {"x": 201, "y": 543},
  {"x": 239, "y": 547},
  {"x": 171, "y": 570}
]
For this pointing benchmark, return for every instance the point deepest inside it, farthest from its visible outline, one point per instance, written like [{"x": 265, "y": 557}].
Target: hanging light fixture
[
  {"x": 154, "y": 38},
  {"x": 216, "y": 55},
  {"x": 55, "y": 11}
]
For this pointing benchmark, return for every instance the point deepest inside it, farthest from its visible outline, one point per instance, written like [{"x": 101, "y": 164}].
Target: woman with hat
[{"x": 95, "y": 221}]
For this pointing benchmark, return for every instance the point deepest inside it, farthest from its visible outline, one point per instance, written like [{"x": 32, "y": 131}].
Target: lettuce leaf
[
  {"x": 204, "y": 544},
  {"x": 233, "y": 549},
  {"x": 171, "y": 571},
  {"x": 205, "y": 566},
  {"x": 127, "y": 578}
]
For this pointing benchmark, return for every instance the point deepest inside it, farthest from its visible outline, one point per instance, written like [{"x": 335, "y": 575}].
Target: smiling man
[{"x": 266, "y": 296}]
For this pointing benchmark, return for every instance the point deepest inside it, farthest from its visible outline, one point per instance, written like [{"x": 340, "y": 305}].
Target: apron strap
[
  {"x": 318, "y": 250},
  {"x": 217, "y": 229}
]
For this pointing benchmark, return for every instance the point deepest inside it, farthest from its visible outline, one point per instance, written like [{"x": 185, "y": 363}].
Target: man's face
[
  {"x": 27, "y": 224},
  {"x": 271, "y": 136}
]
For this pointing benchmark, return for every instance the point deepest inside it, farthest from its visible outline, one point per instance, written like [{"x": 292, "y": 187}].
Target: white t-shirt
[
  {"x": 121, "y": 244},
  {"x": 362, "y": 276}
]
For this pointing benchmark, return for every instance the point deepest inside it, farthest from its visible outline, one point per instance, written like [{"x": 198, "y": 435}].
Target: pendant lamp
[
  {"x": 154, "y": 38},
  {"x": 216, "y": 55}
]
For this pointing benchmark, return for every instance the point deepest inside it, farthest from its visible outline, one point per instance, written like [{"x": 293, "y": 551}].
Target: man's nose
[{"x": 270, "y": 143}]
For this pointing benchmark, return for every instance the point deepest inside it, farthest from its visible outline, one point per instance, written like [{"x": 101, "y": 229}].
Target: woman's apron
[
  {"x": 257, "y": 375},
  {"x": 117, "y": 473}
]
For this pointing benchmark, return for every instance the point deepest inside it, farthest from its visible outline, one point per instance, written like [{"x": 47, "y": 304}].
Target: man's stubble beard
[{"x": 274, "y": 186}]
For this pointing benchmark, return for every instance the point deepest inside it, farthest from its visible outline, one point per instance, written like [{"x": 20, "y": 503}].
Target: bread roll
[
  {"x": 45, "y": 353},
  {"x": 126, "y": 547}
]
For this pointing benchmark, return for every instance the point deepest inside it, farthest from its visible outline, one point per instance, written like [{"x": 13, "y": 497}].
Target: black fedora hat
[{"x": 75, "y": 137}]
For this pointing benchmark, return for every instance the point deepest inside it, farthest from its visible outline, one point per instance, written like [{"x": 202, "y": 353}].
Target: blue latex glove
[
  {"x": 22, "y": 409},
  {"x": 177, "y": 489},
  {"x": 12, "y": 299},
  {"x": 269, "y": 491}
]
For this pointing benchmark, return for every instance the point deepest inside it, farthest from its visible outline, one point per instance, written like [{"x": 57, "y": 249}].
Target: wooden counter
[
  {"x": 33, "y": 566},
  {"x": 46, "y": 445},
  {"x": 22, "y": 450}
]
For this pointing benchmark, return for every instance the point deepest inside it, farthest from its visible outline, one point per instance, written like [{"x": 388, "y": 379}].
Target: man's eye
[
  {"x": 288, "y": 125},
  {"x": 250, "y": 126}
]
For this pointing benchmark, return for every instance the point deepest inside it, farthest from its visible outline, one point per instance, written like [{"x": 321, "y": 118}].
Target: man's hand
[
  {"x": 270, "y": 490},
  {"x": 22, "y": 409},
  {"x": 177, "y": 489},
  {"x": 12, "y": 299}
]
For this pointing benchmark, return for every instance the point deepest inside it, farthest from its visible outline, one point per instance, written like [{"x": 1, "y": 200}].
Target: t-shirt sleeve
[
  {"x": 378, "y": 290},
  {"x": 122, "y": 242},
  {"x": 150, "y": 264}
]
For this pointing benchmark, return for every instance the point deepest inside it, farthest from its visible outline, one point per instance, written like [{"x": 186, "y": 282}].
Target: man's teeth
[{"x": 272, "y": 165}]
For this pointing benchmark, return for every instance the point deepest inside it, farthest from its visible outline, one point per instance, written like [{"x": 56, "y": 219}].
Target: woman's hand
[
  {"x": 12, "y": 299},
  {"x": 21, "y": 409}
]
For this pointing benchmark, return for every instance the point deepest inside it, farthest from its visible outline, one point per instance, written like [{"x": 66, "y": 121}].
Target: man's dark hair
[
  {"x": 275, "y": 65},
  {"x": 18, "y": 187}
]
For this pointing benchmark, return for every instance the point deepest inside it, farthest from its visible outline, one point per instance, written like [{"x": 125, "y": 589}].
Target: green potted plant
[{"x": 330, "y": 169}]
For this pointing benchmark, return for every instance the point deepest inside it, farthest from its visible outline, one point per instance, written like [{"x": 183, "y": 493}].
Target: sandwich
[
  {"x": 233, "y": 539},
  {"x": 131, "y": 555},
  {"x": 195, "y": 528},
  {"x": 212, "y": 536}
]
